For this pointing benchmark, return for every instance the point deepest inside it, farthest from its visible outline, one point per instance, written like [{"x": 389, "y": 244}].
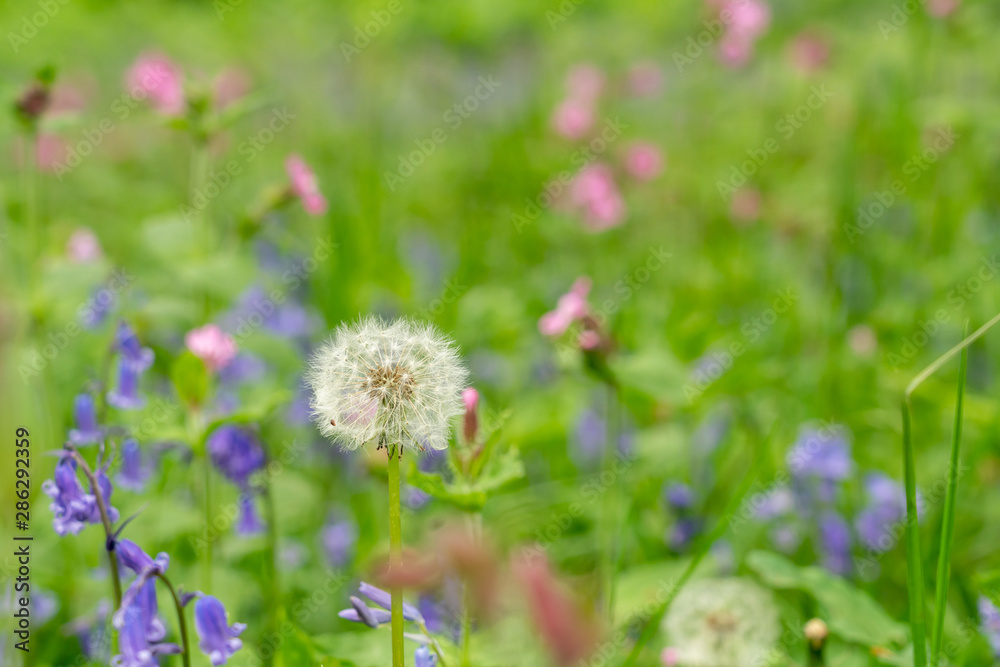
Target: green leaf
[
  {"x": 850, "y": 613},
  {"x": 190, "y": 378},
  {"x": 502, "y": 469}
]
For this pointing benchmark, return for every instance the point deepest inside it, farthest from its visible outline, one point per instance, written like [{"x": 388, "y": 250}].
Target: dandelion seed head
[{"x": 390, "y": 383}]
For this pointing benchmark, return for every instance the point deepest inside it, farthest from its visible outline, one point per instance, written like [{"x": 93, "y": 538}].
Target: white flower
[
  {"x": 723, "y": 623},
  {"x": 395, "y": 383}
]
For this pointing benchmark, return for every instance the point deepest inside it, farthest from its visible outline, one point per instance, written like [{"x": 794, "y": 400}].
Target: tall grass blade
[
  {"x": 914, "y": 558},
  {"x": 948, "y": 521}
]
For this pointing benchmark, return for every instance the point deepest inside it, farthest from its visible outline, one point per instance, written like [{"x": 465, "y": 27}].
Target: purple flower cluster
[
  {"x": 73, "y": 507},
  {"x": 132, "y": 361},
  {"x": 680, "y": 499},
  {"x": 237, "y": 454}
]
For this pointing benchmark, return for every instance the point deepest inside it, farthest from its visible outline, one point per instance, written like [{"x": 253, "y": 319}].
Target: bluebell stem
[
  {"x": 236, "y": 453},
  {"x": 134, "y": 472},
  {"x": 217, "y": 639},
  {"x": 126, "y": 396},
  {"x": 74, "y": 508},
  {"x": 249, "y": 522},
  {"x": 87, "y": 432}
]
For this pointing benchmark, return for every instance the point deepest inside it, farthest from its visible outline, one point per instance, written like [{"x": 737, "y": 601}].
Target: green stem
[
  {"x": 275, "y": 605},
  {"x": 209, "y": 538},
  {"x": 914, "y": 558},
  {"x": 109, "y": 530},
  {"x": 611, "y": 526},
  {"x": 948, "y": 520},
  {"x": 181, "y": 622},
  {"x": 395, "y": 555}
]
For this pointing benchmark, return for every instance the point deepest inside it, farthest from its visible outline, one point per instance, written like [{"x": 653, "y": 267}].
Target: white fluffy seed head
[{"x": 388, "y": 383}]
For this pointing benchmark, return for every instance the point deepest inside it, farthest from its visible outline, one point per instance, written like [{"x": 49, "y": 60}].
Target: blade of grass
[
  {"x": 948, "y": 520},
  {"x": 914, "y": 558},
  {"x": 653, "y": 623}
]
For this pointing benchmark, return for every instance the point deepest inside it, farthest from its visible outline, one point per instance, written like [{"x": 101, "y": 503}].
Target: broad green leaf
[
  {"x": 190, "y": 378},
  {"x": 851, "y": 613}
]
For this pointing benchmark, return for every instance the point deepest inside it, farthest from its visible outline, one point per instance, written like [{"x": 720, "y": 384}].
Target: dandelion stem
[
  {"x": 181, "y": 622},
  {"x": 395, "y": 555}
]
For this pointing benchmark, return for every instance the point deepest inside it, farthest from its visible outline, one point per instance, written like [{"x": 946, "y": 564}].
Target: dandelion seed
[{"x": 396, "y": 383}]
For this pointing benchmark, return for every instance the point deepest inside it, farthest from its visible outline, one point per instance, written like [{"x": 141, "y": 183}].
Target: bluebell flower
[
  {"x": 133, "y": 558},
  {"x": 131, "y": 350},
  {"x": 249, "y": 522},
  {"x": 100, "y": 305},
  {"x": 433, "y": 613},
  {"x": 989, "y": 624},
  {"x": 236, "y": 452},
  {"x": 134, "y": 473},
  {"x": 423, "y": 657},
  {"x": 339, "y": 538},
  {"x": 126, "y": 396},
  {"x": 679, "y": 496},
  {"x": 87, "y": 432},
  {"x": 835, "y": 541},
  {"x": 218, "y": 639},
  {"x": 73, "y": 507},
  {"x": 682, "y": 532},
  {"x": 135, "y": 650},
  {"x": 824, "y": 454},
  {"x": 141, "y": 593},
  {"x": 414, "y": 497},
  {"x": 360, "y": 612},
  {"x": 245, "y": 367},
  {"x": 886, "y": 506},
  {"x": 785, "y": 538},
  {"x": 432, "y": 460}
]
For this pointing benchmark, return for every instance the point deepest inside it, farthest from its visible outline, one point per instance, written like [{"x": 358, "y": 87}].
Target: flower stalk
[
  {"x": 181, "y": 622},
  {"x": 395, "y": 554},
  {"x": 109, "y": 530}
]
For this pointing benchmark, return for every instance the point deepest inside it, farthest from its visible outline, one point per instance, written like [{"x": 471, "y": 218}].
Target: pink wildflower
[
  {"x": 571, "y": 307},
  {"x": 585, "y": 83},
  {"x": 645, "y": 80},
  {"x": 157, "y": 77},
  {"x": 83, "y": 246},
  {"x": 594, "y": 191},
  {"x": 643, "y": 161},
  {"x": 305, "y": 185},
  {"x": 573, "y": 118},
  {"x": 212, "y": 345}
]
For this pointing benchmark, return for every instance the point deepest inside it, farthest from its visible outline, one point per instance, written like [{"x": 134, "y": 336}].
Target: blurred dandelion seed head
[
  {"x": 722, "y": 623},
  {"x": 396, "y": 382}
]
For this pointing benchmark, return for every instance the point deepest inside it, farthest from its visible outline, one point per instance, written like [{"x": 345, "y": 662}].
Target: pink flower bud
[{"x": 471, "y": 422}]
